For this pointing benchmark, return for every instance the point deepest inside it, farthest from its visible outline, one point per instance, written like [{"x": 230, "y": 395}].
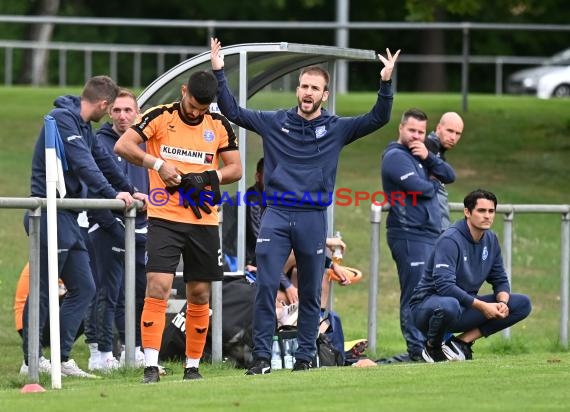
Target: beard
[
  {"x": 96, "y": 117},
  {"x": 314, "y": 107}
]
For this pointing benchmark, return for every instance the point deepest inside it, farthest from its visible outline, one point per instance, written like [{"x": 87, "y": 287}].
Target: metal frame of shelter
[{"x": 249, "y": 68}]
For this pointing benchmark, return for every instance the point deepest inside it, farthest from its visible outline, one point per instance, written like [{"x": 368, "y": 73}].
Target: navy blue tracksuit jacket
[
  {"x": 108, "y": 239},
  {"x": 412, "y": 225},
  {"x": 300, "y": 164},
  {"x": 88, "y": 165},
  {"x": 456, "y": 270}
]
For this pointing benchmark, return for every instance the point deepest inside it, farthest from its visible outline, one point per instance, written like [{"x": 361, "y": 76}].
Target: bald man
[{"x": 446, "y": 135}]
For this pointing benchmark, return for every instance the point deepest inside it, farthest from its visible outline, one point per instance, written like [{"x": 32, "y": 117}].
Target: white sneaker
[
  {"x": 452, "y": 352},
  {"x": 139, "y": 359},
  {"x": 94, "y": 363},
  {"x": 44, "y": 366},
  {"x": 109, "y": 365},
  {"x": 70, "y": 368}
]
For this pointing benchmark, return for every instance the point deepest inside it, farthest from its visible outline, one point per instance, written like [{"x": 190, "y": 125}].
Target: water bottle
[
  {"x": 288, "y": 354},
  {"x": 276, "y": 354},
  {"x": 294, "y": 347},
  {"x": 337, "y": 251}
]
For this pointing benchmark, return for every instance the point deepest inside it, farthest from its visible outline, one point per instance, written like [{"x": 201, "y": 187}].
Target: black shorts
[{"x": 199, "y": 246}]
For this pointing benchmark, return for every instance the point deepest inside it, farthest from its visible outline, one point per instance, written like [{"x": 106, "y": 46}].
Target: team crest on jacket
[
  {"x": 320, "y": 131},
  {"x": 208, "y": 135},
  {"x": 485, "y": 253}
]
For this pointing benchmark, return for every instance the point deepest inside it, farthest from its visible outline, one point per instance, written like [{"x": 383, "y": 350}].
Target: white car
[
  {"x": 555, "y": 84},
  {"x": 526, "y": 81}
]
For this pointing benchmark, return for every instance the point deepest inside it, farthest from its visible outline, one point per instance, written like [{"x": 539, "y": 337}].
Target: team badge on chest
[
  {"x": 208, "y": 135},
  {"x": 485, "y": 253},
  {"x": 320, "y": 131}
]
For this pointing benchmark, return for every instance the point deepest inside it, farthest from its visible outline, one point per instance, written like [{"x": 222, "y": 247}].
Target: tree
[
  {"x": 433, "y": 77},
  {"x": 35, "y": 61}
]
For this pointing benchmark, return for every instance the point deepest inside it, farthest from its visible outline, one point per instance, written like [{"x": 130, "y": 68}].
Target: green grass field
[{"x": 517, "y": 147}]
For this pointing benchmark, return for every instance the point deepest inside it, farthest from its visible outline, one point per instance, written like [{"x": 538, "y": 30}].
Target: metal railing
[
  {"x": 509, "y": 212},
  {"x": 90, "y": 50},
  {"x": 35, "y": 206},
  {"x": 341, "y": 27}
]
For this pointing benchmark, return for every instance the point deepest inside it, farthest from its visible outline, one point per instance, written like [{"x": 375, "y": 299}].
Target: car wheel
[{"x": 562, "y": 91}]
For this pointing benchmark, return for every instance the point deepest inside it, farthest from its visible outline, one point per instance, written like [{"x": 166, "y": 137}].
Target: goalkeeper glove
[{"x": 193, "y": 192}]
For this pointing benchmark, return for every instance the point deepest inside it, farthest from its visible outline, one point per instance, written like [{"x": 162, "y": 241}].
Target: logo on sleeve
[
  {"x": 485, "y": 253},
  {"x": 214, "y": 108}
]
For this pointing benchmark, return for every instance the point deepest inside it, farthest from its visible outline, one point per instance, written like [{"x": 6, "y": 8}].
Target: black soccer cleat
[
  {"x": 462, "y": 349},
  {"x": 259, "y": 367},
  {"x": 301, "y": 366},
  {"x": 191, "y": 374},
  {"x": 433, "y": 354},
  {"x": 151, "y": 375}
]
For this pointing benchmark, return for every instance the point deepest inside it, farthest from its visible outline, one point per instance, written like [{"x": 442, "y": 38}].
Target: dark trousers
[
  {"x": 281, "y": 231},
  {"x": 411, "y": 257},
  {"x": 110, "y": 302},
  {"x": 74, "y": 270},
  {"x": 90, "y": 321},
  {"x": 437, "y": 315}
]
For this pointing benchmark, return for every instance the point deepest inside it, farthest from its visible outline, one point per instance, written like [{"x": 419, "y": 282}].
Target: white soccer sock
[
  {"x": 106, "y": 355},
  {"x": 150, "y": 357},
  {"x": 192, "y": 363},
  {"x": 93, "y": 349}
]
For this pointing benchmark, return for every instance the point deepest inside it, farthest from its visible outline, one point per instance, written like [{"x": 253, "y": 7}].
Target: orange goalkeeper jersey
[{"x": 190, "y": 148}]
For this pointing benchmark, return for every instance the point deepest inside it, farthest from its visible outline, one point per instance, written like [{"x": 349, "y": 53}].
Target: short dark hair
[
  {"x": 415, "y": 113},
  {"x": 259, "y": 167},
  {"x": 203, "y": 86},
  {"x": 319, "y": 71},
  {"x": 470, "y": 200},
  {"x": 100, "y": 88}
]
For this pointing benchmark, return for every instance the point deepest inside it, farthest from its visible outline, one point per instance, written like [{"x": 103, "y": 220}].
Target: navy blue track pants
[
  {"x": 437, "y": 315},
  {"x": 74, "y": 270},
  {"x": 411, "y": 257},
  {"x": 304, "y": 232}
]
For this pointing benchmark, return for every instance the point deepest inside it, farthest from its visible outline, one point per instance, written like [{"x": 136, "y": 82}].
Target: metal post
[
  {"x": 217, "y": 322},
  {"x": 242, "y": 138},
  {"x": 499, "y": 76},
  {"x": 8, "y": 64},
  {"x": 564, "y": 274},
  {"x": 130, "y": 257},
  {"x": 375, "y": 219},
  {"x": 341, "y": 35},
  {"x": 159, "y": 63},
  {"x": 62, "y": 68},
  {"x": 88, "y": 69},
  {"x": 34, "y": 295},
  {"x": 136, "y": 70},
  {"x": 465, "y": 68},
  {"x": 508, "y": 255},
  {"x": 333, "y": 71},
  {"x": 113, "y": 71},
  {"x": 217, "y": 311}
]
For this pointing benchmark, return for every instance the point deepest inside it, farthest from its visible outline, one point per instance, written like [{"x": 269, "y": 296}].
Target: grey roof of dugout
[{"x": 264, "y": 63}]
